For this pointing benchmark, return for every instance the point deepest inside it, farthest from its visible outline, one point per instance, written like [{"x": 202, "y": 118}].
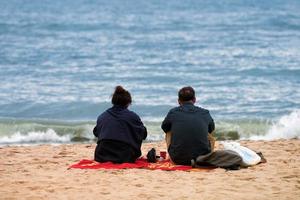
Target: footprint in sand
[
  {"x": 105, "y": 193},
  {"x": 139, "y": 185}
]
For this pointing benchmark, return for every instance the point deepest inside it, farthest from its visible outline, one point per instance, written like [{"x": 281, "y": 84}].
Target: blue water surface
[{"x": 62, "y": 59}]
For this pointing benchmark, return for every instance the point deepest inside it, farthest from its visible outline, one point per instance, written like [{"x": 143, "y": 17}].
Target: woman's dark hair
[
  {"x": 186, "y": 94},
  {"x": 121, "y": 97}
]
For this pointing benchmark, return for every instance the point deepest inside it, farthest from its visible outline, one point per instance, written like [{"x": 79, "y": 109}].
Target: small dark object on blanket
[{"x": 151, "y": 156}]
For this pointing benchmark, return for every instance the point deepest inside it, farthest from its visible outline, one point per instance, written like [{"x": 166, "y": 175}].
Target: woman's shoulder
[
  {"x": 104, "y": 114},
  {"x": 133, "y": 114}
]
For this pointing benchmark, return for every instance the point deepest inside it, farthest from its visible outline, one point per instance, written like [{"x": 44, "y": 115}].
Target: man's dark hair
[
  {"x": 186, "y": 94},
  {"x": 121, "y": 97}
]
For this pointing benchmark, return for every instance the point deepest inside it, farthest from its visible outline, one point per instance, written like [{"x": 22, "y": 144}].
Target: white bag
[{"x": 249, "y": 157}]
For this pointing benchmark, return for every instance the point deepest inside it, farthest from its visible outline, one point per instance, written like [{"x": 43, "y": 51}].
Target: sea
[{"x": 61, "y": 60}]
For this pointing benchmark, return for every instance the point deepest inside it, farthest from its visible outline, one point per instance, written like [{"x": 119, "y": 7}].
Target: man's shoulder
[
  {"x": 202, "y": 110},
  {"x": 195, "y": 109},
  {"x": 172, "y": 110}
]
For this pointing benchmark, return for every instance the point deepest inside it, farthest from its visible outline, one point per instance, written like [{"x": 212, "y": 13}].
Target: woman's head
[{"x": 121, "y": 97}]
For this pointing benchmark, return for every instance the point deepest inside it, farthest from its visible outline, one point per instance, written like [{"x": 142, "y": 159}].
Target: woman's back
[{"x": 119, "y": 131}]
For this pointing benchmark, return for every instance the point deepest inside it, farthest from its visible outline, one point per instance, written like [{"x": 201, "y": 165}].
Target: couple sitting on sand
[{"x": 120, "y": 132}]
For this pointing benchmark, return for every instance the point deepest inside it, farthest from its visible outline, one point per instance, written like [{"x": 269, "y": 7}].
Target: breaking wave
[
  {"x": 287, "y": 127},
  {"x": 50, "y": 136},
  {"x": 42, "y": 131}
]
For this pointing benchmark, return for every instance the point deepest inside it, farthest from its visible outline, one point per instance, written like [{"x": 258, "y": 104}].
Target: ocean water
[{"x": 60, "y": 62}]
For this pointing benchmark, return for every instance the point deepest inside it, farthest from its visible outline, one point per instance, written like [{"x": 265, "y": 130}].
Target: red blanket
[{"x": 140, "y": 163}]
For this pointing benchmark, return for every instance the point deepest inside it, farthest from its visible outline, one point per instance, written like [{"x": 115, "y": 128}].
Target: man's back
[{"x": 189, "y": 126}]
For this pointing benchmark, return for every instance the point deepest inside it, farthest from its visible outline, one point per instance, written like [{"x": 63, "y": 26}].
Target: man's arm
[
  {"x": 211, "y": 126},
  {"x": 167, "y": 124}
]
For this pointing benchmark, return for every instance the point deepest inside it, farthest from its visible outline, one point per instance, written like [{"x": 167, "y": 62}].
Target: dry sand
[{"x": 41, "y": 172}]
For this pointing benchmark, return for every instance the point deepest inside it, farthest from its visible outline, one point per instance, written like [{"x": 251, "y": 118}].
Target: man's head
[{"x": 186, "y": 94}]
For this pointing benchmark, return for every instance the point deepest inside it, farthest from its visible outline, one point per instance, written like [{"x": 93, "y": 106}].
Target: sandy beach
[{"x": 41, "y": 172}]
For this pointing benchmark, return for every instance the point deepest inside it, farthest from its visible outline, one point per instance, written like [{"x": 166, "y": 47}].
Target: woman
[{"x": 119, "y": 131}]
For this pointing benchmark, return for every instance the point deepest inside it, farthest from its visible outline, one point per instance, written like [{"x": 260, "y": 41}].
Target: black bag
[
  {"x": 151, "y": 156},
  {"x": 221, "y": 158}
]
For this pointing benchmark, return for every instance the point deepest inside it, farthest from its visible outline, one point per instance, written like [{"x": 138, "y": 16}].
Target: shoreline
[{"x": 41, "y": 172}]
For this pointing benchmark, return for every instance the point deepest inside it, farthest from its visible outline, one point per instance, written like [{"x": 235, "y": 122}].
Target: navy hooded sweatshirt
[{"x": 119, "y": 130}]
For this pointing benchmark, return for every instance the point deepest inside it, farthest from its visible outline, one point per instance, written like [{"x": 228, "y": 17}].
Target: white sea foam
[
  {"x": 50, "y": 136},
  {"x": 287, "y": 127}
]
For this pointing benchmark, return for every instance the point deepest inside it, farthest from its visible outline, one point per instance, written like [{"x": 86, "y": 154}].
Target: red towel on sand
[{"x": 140, "y": 163}]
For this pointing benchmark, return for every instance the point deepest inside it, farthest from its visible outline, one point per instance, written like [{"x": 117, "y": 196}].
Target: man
[{"x": 187, "y": 129}]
